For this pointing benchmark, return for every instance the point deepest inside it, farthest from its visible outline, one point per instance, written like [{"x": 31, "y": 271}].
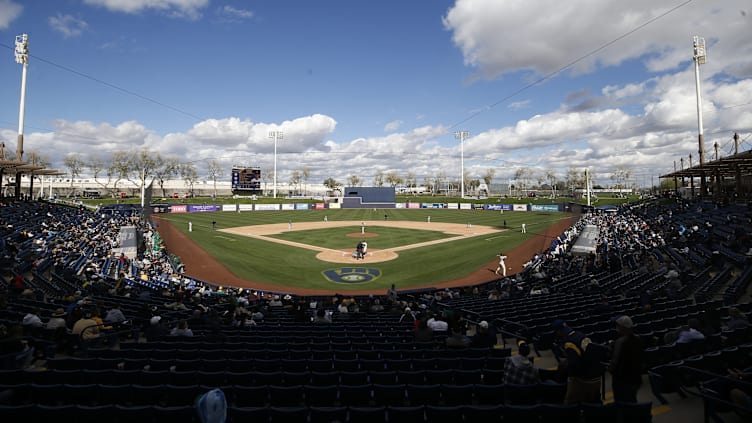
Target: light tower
[
  {"x": 22, "y": 58},
  {"x": 275, "y": 135},
  {"x": 462, "y": 136},
  {"x": 699, "y": 59}
]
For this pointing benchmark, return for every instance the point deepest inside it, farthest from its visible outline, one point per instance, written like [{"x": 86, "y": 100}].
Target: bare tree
[
  {"x": 266, "y": 176},
  {"x": 75, "y": 164},
  {"x": 305, "y": 173},
  {"x": 521, "y": 176},
  {"x": 166, "y": 169},
  {"x": 620, "y": 175},
  {"x": 215, "y": 171},
  {"x": 353, "y": 180},
  {"x": 118, "y": 169},
  {"x": 295, "y": 177},
  {"x": 488, "y": 178},
  {"x": 410, "y": 180},
  {"x": 189, "y": 174},
  {"x": 574, "y": 178},
  {"x": 378, "y": 179},
  {"x": 96, "y": 165},
  {"x": 393, "y": 179},
  {"x": 551, "y": 180},
  {"x": 331, "y": 183}
]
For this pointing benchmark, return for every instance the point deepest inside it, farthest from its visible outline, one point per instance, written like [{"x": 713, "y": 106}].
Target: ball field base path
[
  {"x": 374, "y": 256},
  {"x": 202, "y": 265}
]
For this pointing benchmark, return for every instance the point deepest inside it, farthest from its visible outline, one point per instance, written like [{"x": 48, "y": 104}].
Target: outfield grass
[{"x": 262, "y": 261}]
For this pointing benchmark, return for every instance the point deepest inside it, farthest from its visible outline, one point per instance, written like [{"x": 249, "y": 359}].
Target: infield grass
[{"x": 258, "y": 260}]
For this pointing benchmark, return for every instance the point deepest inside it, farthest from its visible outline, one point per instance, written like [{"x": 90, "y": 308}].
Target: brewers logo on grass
[{"x": 352, "y": 274}]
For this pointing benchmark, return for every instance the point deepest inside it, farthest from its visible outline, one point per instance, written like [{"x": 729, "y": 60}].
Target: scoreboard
[{"x": 246, "y": 178}]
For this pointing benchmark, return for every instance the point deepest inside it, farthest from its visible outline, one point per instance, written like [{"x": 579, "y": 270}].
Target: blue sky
[{"x": 361, "y": 87}]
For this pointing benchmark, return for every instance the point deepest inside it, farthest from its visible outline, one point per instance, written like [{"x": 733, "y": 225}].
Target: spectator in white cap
[{"x": 626, "y": 362}]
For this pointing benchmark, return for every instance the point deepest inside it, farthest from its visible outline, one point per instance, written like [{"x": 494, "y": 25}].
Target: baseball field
[{"x": 311, "y": 251}]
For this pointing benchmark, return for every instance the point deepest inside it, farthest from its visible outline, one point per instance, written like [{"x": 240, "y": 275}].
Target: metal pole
[
  {"x": 276, "y": 135},
  {"x": 462, "y": 136},
  {"x": 699, "y": 59}
]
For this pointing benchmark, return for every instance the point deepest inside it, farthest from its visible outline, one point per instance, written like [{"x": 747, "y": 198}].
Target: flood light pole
[
  {"x": 699, "y": 58},
  {"x": 462, "y": 136},
  {"x": 275, "y": 135}
]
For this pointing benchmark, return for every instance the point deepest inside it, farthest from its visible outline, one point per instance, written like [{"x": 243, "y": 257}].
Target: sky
[{"x": 360, "y": 87}]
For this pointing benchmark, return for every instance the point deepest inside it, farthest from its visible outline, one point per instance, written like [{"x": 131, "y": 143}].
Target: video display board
[{"x": 246, "y": 178}]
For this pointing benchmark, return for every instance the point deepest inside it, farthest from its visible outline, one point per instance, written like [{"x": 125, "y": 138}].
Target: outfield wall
[{"x": 238, "y": 208}]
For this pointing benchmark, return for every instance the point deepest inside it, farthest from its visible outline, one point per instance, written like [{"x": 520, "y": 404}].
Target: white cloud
[
  {"x": 393, "y": 125},
  {"x": 68, "y": 25},
  {"x": 544, "y": 35},
  {"x": 517, "y": 105},
  {"x": 9, "y": 11},
  {"x": 233, "y": 13},
  {"x": 190, "y": 9}
]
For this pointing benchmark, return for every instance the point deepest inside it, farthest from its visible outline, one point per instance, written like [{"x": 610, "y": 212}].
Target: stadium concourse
[{"x": 89, "y": 334}]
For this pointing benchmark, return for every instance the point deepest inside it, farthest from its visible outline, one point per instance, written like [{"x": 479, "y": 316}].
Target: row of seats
[
  {"x": 545, "y": 413},
  {"x": 262, "y": 364},
  {"x": 254, "y": 378},
  {"x": 294, "y": 395}
]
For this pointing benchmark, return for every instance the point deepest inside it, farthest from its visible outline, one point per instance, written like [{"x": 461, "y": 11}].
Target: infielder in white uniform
[{"x": 501, "y": 266}]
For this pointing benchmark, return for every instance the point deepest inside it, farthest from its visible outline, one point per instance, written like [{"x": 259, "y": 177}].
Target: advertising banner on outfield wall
[
  {"x": 229, "y": 207},
  {"x": 245, "y": 207},
  {"x": 303, "y": 206},
  {"x": 266, "y": 207},
  {"x": 453, "y": 206},
  {"x": 196, "y": 208},
  {"x": 413, "y": 205},
  {"x": 179, "y": 208},
  {"x": 519, "y": 207},
  {"x": 400, "y": 205},
  {"x": 499, "y": 207},
  {"x": 335, "y": 205},
  {"x": 320, "y": 206},
  {"x": 544, "y": 207},
  {"x": 466, "y": 206},
  {"x": 433, "y": 205},
  {"x": 288, "y": 206}
]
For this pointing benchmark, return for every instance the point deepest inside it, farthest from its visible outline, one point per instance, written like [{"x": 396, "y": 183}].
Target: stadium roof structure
[
  {"x": 11, "y": 164},
  {"x": 725, "y": 167}
]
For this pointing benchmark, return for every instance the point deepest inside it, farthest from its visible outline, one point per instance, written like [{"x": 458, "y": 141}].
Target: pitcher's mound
[{"x": 345, "y": 256}]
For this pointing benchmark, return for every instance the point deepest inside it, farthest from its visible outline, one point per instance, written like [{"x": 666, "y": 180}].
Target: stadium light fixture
[
  {"x": 276, "y": 136},
  {"x": 698, "y": 45},
  {"x": 462, "y": 136}
]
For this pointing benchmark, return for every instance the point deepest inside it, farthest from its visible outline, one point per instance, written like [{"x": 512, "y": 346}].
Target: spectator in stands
[
  {"x": 322, "y": 316},
  {"x": 457, "y": 339},
  {"x": 626, "y": 362},
  {"x": 32, "y": 319},
  {"x": 86, "y": 327},
  {"x": 437, "y": 324},
  {"x": 485, "y": 336},
  {"x": 519, "y": 369},
  {"x": 211, "y": 407},
  {"x": 690, "y": 332},
  {"x": 407, "y": 315},
  {"x": 581, "y": 361},
  {"x": 156, "y": 330},
  {"x": 57, "y": 320},
  {"x": 114, "y": 315},
  {"x": 737, "y": 320},
  {"x": 423, "y": 333},
  {"x": 181, "y": 329},
  {"x": 391, "y": 293}
]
